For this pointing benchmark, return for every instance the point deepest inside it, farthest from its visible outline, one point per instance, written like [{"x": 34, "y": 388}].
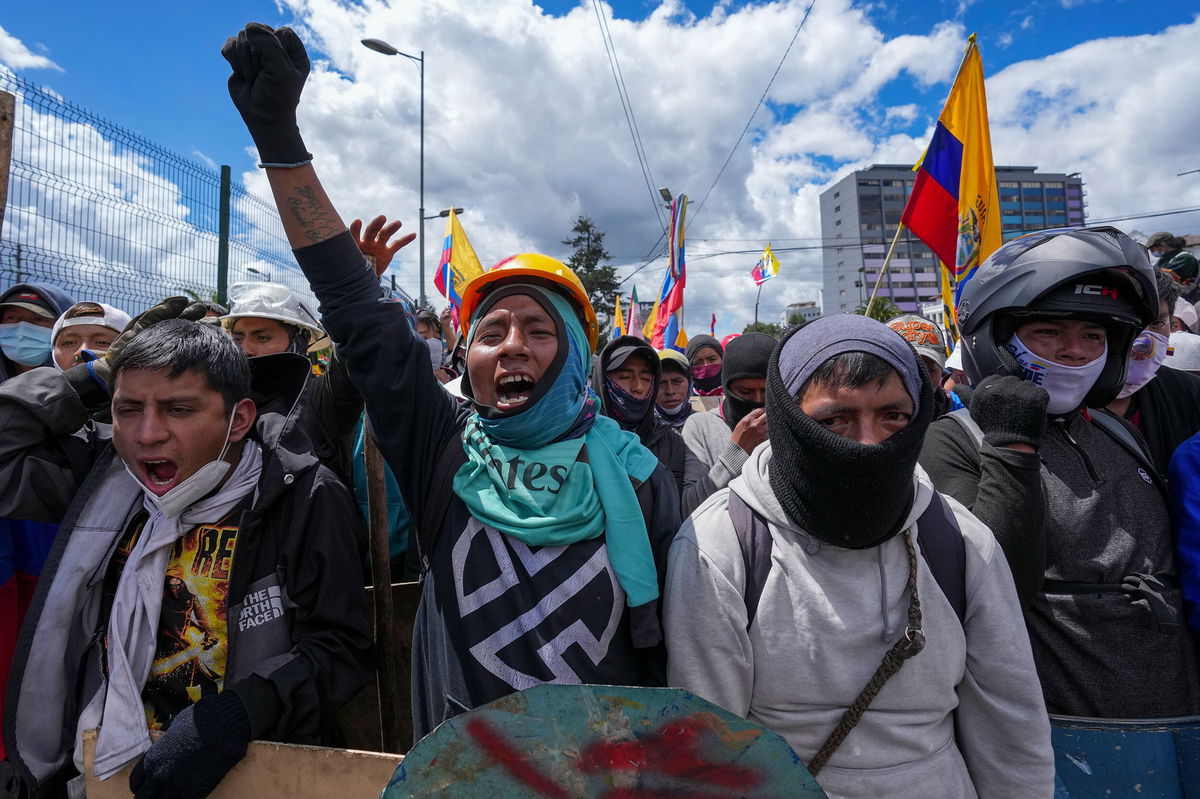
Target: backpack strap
[
  {"x": 754, "y": 539},
  {"x": 945, "y": 551},
  {"x": 1129, "y": 440},
  {"x": 963, "y": 417},
  {"x": 938, "y": 535}
]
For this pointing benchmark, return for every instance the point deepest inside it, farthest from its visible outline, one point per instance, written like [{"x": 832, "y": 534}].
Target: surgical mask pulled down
[
  {"x": 173, "y": 503},
  {"x": 25, "y": 343},
  {"x": 1066, "y": 385},
  {"x": 1149, "y": 351}
]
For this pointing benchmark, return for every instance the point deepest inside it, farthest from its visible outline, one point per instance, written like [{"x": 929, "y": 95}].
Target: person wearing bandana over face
[
  {"x": 705, "y": 354},
  {"x": 1048, "y": 322},
  {"x": 834, "y": 606},
  {"x": 269, "y": 318},
  {"x": 204, "y": 582},
  {"x": 1163, "y": 404},
  {"x": 674, "y": 389},
  {"x": 626, "y": 377},
  {"x": 724, "y": 437},
  {"x": 542, "y": 525}
]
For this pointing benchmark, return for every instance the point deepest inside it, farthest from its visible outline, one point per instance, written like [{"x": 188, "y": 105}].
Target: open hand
[{"x": 374, "y": 241}]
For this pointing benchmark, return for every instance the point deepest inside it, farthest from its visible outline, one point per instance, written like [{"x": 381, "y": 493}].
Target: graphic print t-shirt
[{"x": 192, "y": 641}]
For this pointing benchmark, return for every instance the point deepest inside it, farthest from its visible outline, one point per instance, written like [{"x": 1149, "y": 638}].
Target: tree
[
  {"x": 770, "y": 328},
  {"x": 882, "y": 309},
  {"x": 589, "y": 262}
]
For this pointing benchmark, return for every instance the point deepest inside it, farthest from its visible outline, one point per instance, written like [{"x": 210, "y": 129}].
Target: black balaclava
[
  {"x": 628, "y": 411},
  {"x": 837, "y": 490},
  {"x": 746, "y": 356},
  {"x": 704, "y": 385}
]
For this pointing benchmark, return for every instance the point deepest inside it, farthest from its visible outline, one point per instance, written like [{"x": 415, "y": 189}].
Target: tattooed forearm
[{"x": 317, "y": 219}]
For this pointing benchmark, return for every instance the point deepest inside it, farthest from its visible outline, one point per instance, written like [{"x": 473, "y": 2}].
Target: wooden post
[
  {"x": 386, "y": 641},
  {"x": 887, "y": 260},
  {"x": 8, "y": 116}
]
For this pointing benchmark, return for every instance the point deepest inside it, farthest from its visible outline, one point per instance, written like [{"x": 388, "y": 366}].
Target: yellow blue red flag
[
  {"x": 664, "y": 327},
  {"x": 954, "y": 206},
  {"x": 619, "y": 319},
  {"x": 766, "y": 268},
  {"x": 458, "y": 264}
]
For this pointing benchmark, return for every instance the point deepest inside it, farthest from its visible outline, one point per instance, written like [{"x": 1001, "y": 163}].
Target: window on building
[
  {"x": 1052, "y": 184},
  {"x": 837, "y": 208},
  {"x": 1009, "y": 184},
  {"x": 837, "y": 194},
  {"x": 866, "y": 182},
  {"x": 837, "y": 223}
]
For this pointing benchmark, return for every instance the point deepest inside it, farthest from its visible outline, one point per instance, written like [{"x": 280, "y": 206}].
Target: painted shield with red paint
[{"x": 601, "y": 742}]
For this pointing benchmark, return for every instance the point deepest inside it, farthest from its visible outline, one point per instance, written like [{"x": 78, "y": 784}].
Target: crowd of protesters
[{"x": 900, "y": 562}]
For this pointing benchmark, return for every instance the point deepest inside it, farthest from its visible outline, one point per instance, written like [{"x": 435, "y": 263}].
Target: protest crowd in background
[{"x": 900, "y": 547}]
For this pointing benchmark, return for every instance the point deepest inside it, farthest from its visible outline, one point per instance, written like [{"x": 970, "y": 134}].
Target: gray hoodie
[{"x": 963, "y": 718}]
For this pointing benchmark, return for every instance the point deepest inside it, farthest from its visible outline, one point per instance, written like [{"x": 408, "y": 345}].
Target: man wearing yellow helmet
[{"x": 543, "y": 526}]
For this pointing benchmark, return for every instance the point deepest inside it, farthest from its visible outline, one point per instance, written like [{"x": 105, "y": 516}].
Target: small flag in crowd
[
  {"x": 618, "y": 320},
  {"x": 712, "y": 326},
  {"x": 458, "y": 264},
  {"x": 954, "y": 206},
  {"x": 766, "y": 268},
  {"x": 635, "y": 316}
]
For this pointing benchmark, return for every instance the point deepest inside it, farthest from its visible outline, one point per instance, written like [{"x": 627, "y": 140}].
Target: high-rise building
[
  {"x": 860, "y": 213},
  {"x": 799, "y": 312}
]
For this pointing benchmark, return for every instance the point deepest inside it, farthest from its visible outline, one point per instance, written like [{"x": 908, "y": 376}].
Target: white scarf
[{"x": 133, "y": 623}]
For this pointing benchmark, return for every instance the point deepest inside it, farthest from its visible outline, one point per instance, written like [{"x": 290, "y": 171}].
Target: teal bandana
[{"x": 544, "y": 478}]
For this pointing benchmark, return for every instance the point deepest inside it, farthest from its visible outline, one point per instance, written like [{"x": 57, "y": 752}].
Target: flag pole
[
  {"x": 756, "y": 299},
  {"x": 883, "y": 269}
]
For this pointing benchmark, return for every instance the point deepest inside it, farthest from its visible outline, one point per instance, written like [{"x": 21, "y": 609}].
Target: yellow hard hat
[
  {"x": 676, "y": 356},
  {"x": 533, "y": 268}
]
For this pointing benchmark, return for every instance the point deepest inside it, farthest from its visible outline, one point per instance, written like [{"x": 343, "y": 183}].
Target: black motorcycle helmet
[{"x": 1091, "y": 273}]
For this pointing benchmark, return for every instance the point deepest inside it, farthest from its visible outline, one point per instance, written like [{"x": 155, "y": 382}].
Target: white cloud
[
  {"x": 1004, "y": 40},
  {"x": 524, "y": 127},
  {"x": 14, "y": 54}
]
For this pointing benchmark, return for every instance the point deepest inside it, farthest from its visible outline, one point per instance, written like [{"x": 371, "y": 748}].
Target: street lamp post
[{"x": 380, "y": 46}]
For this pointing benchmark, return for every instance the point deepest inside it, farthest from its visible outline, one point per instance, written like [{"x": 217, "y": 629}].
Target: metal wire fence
[{"x": 109, "y": 216}]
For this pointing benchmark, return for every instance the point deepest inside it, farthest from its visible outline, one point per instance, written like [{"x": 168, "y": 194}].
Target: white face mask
[
  {"x": 173, "y": 503},
  {"x": 1149, "y": 351},
  {"x": 1066, "y": 385}
]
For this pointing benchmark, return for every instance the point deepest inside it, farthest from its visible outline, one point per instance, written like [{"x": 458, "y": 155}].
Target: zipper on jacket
[{"x": 1083, "y": 456}]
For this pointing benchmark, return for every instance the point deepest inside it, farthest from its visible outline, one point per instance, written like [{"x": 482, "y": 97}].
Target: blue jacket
[{"x": 1185, "y": 513}]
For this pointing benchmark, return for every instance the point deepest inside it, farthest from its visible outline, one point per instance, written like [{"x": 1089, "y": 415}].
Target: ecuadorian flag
[
  {"x": 664, "y": 328},
  {"x": 458, "y": 264},
  {"x": 954, "y": 207}
]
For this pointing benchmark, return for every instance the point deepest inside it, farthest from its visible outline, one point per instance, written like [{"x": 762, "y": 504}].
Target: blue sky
[
  {"x": 152, "y": 65},
  {"x": 524, "y": 127}
]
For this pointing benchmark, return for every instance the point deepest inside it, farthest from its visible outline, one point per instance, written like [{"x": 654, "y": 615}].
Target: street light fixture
[
  {"x": 380, "y": 46},
  {"x": 265, "y": 275},
  {"x": 442, "y": 214}
]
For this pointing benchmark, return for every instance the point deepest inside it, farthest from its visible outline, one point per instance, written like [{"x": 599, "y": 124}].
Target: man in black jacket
[
  {"x": 543, "y": 526},
  {"x": 1048, "y": 322},
  {"x": 204, "y": 486},
  {"x": 1163, "y": 404}
]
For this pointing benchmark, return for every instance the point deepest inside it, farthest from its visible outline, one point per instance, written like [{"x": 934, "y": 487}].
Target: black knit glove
[
  {"x": 92, "y": 379},
  {"x": 204, "y": 742},
  {"x": 269, "y": 70},
  {"x": 1009, "y": 410}
]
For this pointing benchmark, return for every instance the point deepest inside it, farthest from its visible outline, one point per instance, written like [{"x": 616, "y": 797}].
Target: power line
[
  {"x": 614, "y": 64},
  {"x": 753, "y": 113}
]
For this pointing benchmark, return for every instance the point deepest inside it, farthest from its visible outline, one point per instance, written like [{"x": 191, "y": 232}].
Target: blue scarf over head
[{"x": 528, "y": 474}]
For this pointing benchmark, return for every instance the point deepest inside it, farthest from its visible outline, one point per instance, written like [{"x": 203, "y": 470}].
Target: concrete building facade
[
  {"x": 860, "y": 214},
  {"x": 807, "y": 311}
]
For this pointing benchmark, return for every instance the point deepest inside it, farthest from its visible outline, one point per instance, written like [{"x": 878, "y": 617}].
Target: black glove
[
  {"x": 1009, "y": 410},
  {"x": 92, "y": 379},
  {"x": 963, "y": 392},
  {"x": 203, "y": 743},
  {"x": 269, "y": 70}
]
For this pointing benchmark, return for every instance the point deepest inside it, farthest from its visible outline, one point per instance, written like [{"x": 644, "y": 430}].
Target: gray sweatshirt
[
  {"x": 963, "y": 718},
  {"x": 717, "y": 459}
]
